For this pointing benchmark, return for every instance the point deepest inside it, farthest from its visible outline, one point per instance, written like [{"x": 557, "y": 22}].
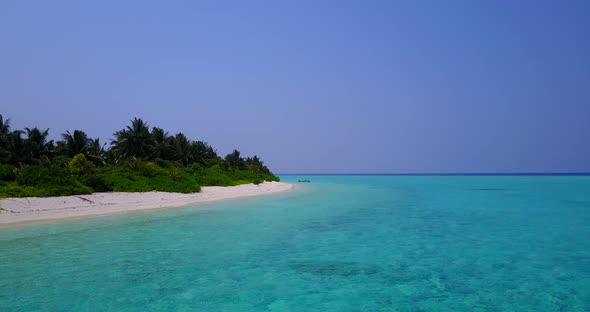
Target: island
[{"x": 143, "y": 167}]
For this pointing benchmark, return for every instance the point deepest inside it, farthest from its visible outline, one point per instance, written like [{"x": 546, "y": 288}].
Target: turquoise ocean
[{"x": 339, "y": 243}]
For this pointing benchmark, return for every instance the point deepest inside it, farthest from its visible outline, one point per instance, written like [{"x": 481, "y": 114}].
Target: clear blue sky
[{"x": 314, "y": 86}]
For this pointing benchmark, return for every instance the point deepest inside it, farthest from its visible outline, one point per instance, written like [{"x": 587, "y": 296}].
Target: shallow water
[{"x": 339, "y": 243}]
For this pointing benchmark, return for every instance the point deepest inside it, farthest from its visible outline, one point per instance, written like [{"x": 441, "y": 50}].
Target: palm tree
[
  {"x": 182, "y": 149},
  {"x": 15, "y": 150},
  {"x": 4, "y": 127},
  {"x": 134, "y": 141},
  {"x": 234, "y": 160},
  {"x": 256, "y": 165},
  {"x": 162, "y": 148},
  {"x": 37, "y": 144},
  {"x": 96, "y": 152},
  {"x": 201, "y": 151},
  {"x": 76, "y": 143},
  {"x": 4, "y": 131}
]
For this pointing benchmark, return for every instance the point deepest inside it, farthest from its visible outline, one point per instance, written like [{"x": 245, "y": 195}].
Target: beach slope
[{"x": 16, "y": 211}]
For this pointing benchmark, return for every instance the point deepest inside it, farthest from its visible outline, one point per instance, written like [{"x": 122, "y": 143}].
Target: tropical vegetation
[{"x": 139, "y": 158}]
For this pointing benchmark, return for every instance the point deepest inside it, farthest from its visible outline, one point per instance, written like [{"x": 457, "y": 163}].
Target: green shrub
[
  {"x": 150, "y": 169},
  {"x": 63, "y": 177},
  {"x": 196, "y": 167},
  {"x": 12, "y": 189},
  {"x": 32, "y": 175},
  {"x": 160, "y": 179},
  {"x": 7, "y": 172},
  {"x": 97, "y": 183},
  {"x": 45, "y": 181},
  {"x": 214, "y": 176},
  {"x": 79, "y": 165},
  {"x": 208, "y": 163},
  {"x": 60, "y": 162},
  {"x": 166, "y": 164}
]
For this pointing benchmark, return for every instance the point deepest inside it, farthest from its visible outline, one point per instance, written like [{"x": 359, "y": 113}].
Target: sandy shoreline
[{"x": 18, "y": 211}]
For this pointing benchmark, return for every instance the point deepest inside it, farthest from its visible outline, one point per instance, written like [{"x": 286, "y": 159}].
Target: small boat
[{"x": 303, "y": 181}]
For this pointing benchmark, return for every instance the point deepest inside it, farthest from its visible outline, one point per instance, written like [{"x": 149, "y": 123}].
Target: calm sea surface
[{"x": 339, "y": 243}]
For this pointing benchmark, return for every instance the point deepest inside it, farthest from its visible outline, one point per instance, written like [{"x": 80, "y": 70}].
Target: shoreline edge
[{"x": 32, "y": 210}]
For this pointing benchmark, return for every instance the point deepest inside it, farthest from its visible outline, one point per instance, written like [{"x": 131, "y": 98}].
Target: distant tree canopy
[{"x": 32, "y": 165}]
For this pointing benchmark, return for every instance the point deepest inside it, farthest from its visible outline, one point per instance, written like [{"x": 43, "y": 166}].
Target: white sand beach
[{"x": 16, "y": 211}]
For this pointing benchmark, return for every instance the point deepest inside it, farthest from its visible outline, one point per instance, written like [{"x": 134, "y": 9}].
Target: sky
[{"x": 314, "y": 86}]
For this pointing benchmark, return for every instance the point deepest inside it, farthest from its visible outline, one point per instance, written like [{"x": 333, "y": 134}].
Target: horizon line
[{"x": 454, "y": 174}]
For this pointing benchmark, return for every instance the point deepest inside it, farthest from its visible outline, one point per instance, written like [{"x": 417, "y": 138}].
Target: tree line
[{"x": 138, "y": 158}]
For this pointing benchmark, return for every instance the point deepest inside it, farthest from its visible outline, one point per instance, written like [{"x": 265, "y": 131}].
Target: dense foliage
[{"x": 139, "y": 159}]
